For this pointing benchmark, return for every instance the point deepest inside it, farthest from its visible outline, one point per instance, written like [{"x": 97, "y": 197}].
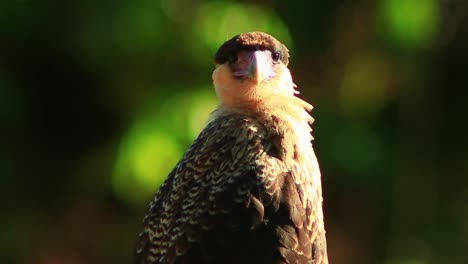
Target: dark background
[{"x": 99, "y": 100}]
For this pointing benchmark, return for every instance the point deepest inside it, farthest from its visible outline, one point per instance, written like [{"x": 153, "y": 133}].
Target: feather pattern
[
  {"x": 235, "y": 184},
  {"x": 248, "y": 190}
]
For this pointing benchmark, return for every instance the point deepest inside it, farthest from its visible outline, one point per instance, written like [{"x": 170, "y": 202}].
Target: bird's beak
[
  {"x": 260, "y": 66},
  {"x": 255, "y": 65}
]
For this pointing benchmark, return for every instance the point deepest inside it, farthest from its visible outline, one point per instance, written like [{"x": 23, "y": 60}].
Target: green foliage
[
  {"x": 100, "y": 99},
  {"x": 156, "y": 142},
  {"x": 412, "y": 24}
]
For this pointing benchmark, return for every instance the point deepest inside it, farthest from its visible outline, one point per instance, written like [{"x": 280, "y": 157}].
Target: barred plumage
[{"x": 248, "y": 189}]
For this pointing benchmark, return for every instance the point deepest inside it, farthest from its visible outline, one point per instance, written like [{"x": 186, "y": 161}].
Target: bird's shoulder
[
  {"x": 229, "y": 129},
  {"x": 223, "y": 173}
]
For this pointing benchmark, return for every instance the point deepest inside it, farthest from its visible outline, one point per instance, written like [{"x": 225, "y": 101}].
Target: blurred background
[{"x": 100, "y": 99}]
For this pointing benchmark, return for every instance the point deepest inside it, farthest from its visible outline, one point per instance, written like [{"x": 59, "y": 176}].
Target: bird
[{"x": 248, "y": 189}]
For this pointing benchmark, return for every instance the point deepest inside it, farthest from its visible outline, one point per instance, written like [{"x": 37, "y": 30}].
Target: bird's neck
[
  {"x": 286, "y": 115},
  {"x": 273, "y": 102},
  {"x": 289, "y": 115}
]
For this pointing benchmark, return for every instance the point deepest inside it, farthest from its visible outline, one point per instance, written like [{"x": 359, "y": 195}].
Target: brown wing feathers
[
  {"x": 208, "y": 207},
  {"x": 205, "y": 185},
  {"x": 247, "y": 190}
]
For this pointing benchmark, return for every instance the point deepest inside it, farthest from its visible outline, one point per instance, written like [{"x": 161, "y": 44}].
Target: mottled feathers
[
  {"x": 232, "y": 200},
  {"x": 248, "y": 189}
]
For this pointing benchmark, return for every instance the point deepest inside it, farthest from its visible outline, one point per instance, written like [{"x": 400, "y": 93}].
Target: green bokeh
[
  {"x": 412, "y": 24},
  {"x": 364, "y": 90},
  {"x": 100, "y": 99},
  {"x": 145, "y": 158},
  {"x": 157, "y": 141},
  {"x": 218, "y": 21},
  {"x": 363, "y": 150}
]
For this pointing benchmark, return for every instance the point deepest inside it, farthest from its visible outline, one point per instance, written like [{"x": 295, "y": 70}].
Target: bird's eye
[
  {"x": 276, "y": 56},
  {"x": 232, "y": 58}
]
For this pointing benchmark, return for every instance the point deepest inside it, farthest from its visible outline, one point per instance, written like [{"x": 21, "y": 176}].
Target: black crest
[{"x": 251, "y": 41}]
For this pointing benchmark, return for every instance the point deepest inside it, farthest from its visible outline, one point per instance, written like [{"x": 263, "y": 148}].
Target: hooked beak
[{"x": 254, "y": 65}]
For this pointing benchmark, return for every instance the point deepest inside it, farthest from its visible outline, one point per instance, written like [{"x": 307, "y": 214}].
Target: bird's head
[{"x": 250, "y": 69}]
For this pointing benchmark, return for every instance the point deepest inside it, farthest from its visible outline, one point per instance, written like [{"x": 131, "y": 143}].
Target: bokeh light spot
[
  {"x": 188, "y": 112},
  {"x": 180, "y": 11},
  {"x": 363, "y": 149},
  {"x": 216, "y": 22},
  {"x": 146, "y": 157},
  {"x": 138, "y": 25},
  {"x": 412, "y": 24},
  {"x": 364, "y": 90},
  {"x": 158, "y": 140},
  {"x": 201, "y": 107}
]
